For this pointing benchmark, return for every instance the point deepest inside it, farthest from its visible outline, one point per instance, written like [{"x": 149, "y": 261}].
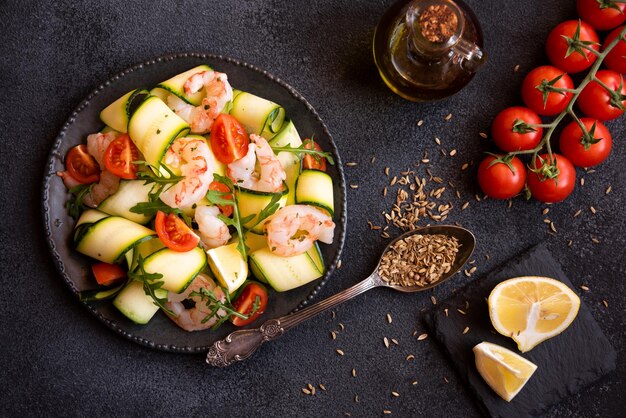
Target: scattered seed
[
  {"x": 389, "y": 320},
  {"x": 422, "y": 337},
  {"x": 386, "y": 342},
  {"x": 582, "y": 181},
  {"x": 385, "y": 191},
  {"x": 578, "y": 212},
  {"x": 342, "y": 326},
  {"x": 437, "y": 141},
  {"x": 420, "y": 122},
  {"x": 464, "y": 167},
  {"x": 351, "y": 164},
  {"x": 445, "y": 379},
  {"x": 453, "y": 153},
  {"x": 516, "y": 68},
  {"x": 373, "y": 159},
  {"x": 467, "y": 273},
  {"x": 425, "y": 160},
  {"x": 465, "y": 330},
  {"x": 395, "y": 394},
  {"x": 605, "y": 303},
  {"x": 393, "y": 340},
  {"x": 356, "y": 398},
  {"x": 483, "y": 135},
  {"x": 386, "y": 412},
  {"x": 569, "y": 243},
  {"x": 465, "y": 206},
  {"x": 353, "y": 372},
  {"x": 461, "y": 311},
  {"x": 445, "y": 311},
  {"x": 340, "y": 352},
  {"x": 348, "y": 414},
  {"x": 414, "y": 382},
  {"x": 592, "y": 209},
  {"x": 585, "y": 288},
  {"x": 487, "y": 257},
  {"x": 387, "y": 171},
  {"x": 384, "y": 235},
  {"x": 595, "y": 240},
  {"x": 472, "y": 270},
  {"x": 608, "y": 190},
  {"x": 410, "y": 357},
  {"x": 509, "y": 203},
  {"x": 433, "y": 300},
  {"x": 333, "y": 335},
  {"x": 448, "y": 117},
  {"x": 552, "y": 227},
  {"x": 545, "y": 211},
  {"x": 546, "y": 221},
  {"x": 332, "y": 313},
  {"x": 322, "y": 386},
  {"x": 338, "y": 267},
  {"x": 354, "y": 186},
  {"x": 306, "y": 391}
]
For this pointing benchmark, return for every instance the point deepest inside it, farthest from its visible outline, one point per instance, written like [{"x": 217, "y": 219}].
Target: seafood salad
[{"x": 198, "y": 200}]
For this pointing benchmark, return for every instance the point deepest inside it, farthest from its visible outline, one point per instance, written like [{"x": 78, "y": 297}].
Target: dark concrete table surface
[{"x": 59, "y": 360}]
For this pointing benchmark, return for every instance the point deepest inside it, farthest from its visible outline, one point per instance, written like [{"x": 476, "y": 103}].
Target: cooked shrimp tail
[{"x": 213, "y": 231}]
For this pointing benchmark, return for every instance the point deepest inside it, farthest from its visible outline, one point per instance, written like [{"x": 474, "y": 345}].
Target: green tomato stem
[{"x": 569, "y": 110}]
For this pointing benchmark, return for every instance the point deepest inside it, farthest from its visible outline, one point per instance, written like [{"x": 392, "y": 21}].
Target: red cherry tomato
[
  {"x": 500, "y": 180},
  {"x": 244, "y": 304},
  {"x": 309, "y": 162},
  {"x": 558, "y": 46},
  {"x": 595, "y": 100},
  {"x": 175, "y": 233},
  {"x": 511, "y": 132},
  {"x": 81, "y": 165},
  {"x": 583, "y": 153},
  {"x": 552, "y": 189},
  {"x": 538, "y": 79},
  {"x": 229, "y": 141},
  {"x": 601, "y": 14},
  {"x": 108, "y": 274},
  {"x": 616, "y": 59},
  {"x": 226, "y": 210},
  {"x": 119, "y": 157}
]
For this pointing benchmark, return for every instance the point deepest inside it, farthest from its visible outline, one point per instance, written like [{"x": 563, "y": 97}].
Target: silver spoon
[{"x": 239, "y": 345}]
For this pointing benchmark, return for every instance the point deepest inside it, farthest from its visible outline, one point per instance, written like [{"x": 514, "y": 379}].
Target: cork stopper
[{"x": 438, "y": 23}]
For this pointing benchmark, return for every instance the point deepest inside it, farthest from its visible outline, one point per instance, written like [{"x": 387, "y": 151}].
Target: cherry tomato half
[
  {"x": 229, "y": 141},
  {"x": 309, "y": 162},
  {"x": 581, "y": 153},
  {"x": 557, "y": 188},
  {"x": 119, "y": 157},
  {"x": 601, "y": 14},
  {"x": 557, "y": 46},
  {"x": 616, "y": 59},
  {"x": 174, "y": 232},
  {"x": 499, "y": 180},
  {"x": 557, "y": 100},
  {"x": 511, "y": 132},
  {"x": 108, "y": 274},
  {"x": 244, "y": 304},
  {"x": 595, "y": 101},
  {"x": 81, "y": 165},
  {"x": 226, "y": 210}
]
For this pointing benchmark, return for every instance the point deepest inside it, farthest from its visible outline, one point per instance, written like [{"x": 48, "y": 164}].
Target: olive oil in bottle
[{"x": 426, "y": 50}]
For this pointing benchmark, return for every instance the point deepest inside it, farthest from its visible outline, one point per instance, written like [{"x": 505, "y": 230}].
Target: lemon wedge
[
  {"x": 532, "y": 309},
  {"x": 504, "y": 371}
]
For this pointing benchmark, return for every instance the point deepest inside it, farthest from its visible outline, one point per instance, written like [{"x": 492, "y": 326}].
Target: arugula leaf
[
  {"x": 75, "y": 203},
  {"x": 268, "y": 210},
  {"x": 230, "y": 198},
  {"x": 302, "y": 150},
  {"x": 151, "y": 283}
]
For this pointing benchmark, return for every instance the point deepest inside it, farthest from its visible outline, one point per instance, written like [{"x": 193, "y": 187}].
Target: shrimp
[
  {"x": 213, "y": 232},
  {"x": 218, "y": 93},
  {"x": 271, "y": 174},
  {"x": 194, "y": 160},
  {"x": 191, "y": 319},
  {"x": 97, "y": 144},
  {"x": 105, "y": 187},
  {"x": 293, "y": 229}
]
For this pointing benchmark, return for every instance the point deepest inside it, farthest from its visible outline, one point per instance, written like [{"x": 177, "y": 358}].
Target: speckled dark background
[{"x": 58, "y": 360}]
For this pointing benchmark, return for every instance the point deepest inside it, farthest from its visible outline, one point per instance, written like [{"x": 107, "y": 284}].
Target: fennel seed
[{"x": 422, "y": 337}]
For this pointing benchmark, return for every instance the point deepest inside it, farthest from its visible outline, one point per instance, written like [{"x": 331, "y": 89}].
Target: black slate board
[{"x": 565, "y": 363}]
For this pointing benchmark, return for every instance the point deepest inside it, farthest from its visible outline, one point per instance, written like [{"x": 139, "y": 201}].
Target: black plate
[{"x": 161, "y": 333}]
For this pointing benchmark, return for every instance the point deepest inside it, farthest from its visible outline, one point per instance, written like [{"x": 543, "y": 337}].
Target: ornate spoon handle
[{"x": 240, "y": 345}]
